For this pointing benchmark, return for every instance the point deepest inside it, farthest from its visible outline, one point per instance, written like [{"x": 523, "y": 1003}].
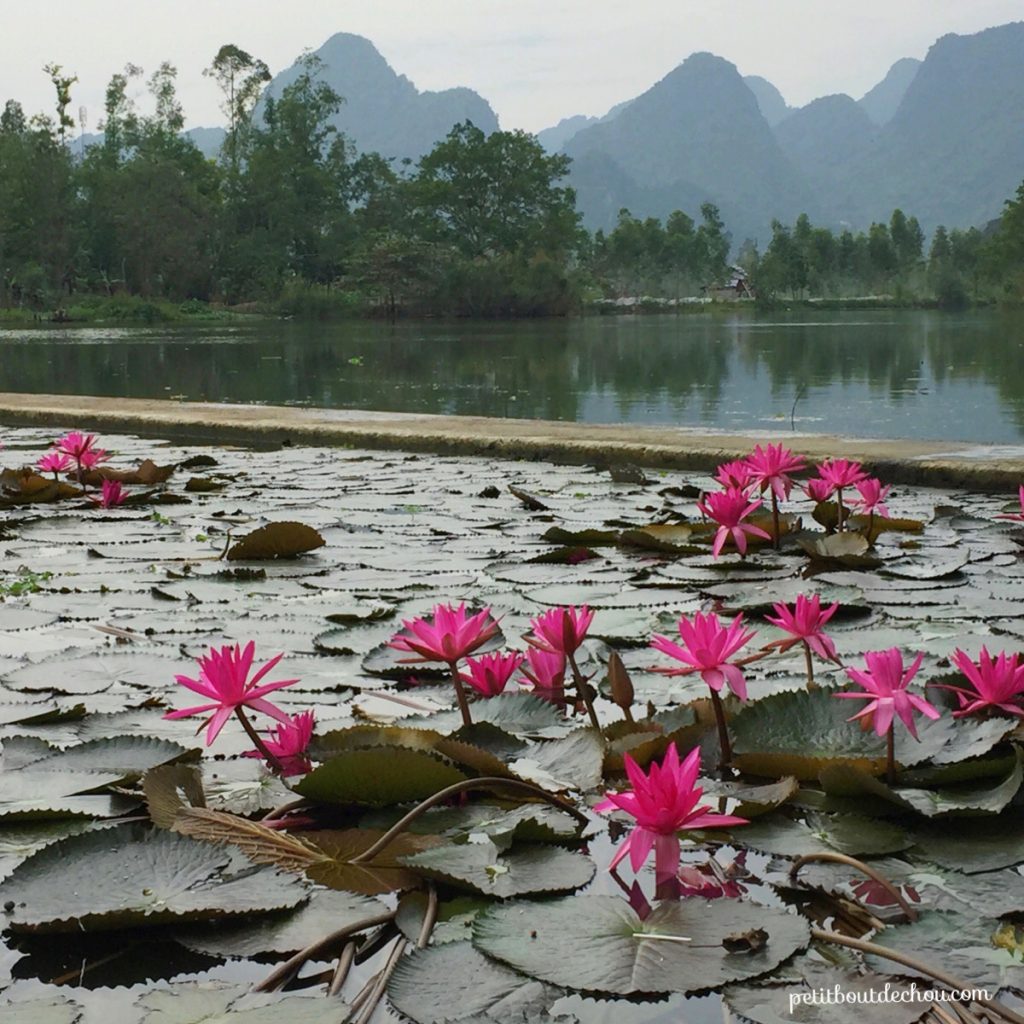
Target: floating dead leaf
[
  {"x": 668, "y": 537},
  {"x": 619, "y": 681},
  {"x": 845, "y": 549},
  {"x": 202, "y": 485},
  {"x": 626, "y": 474},
  {"x": 276, "y": 540},
  {"x": 147, "y": 472},
  {"x": 532, "y": 503}
]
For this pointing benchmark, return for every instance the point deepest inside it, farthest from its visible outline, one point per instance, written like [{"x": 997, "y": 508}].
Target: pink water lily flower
[
  {"x": 664, "y": 801},
  {"x": 224, "y": 679},
  {"x": 885, "y": 685},
  {"x": 1017, "y": 516},
  {"x": 872, "y": 497},
  {"x": 736, "y": 474},
  {"x": 561, "y": 630},
  {"x": 818, "y": 490},
  {"x": 997, "y": 683},
  {"x": 545, "y": 671},
  {"x": 805, "y": 623},
  {"x": 93, "y": 458},
  {"x": 112, "y": 494},
  {"x": 729, "y": 508},
  {"x": 489, "y": 674},
  {"x": 54, "y": 462},
  {"x": 448, "y": 636},
  {"x": 771, "y": 466},
  {"x": 841, "y": 473},
  {"x": 76, "y": 444},
  {"x": 289, "y": 742},
  {"x": 708, "y": 646}
]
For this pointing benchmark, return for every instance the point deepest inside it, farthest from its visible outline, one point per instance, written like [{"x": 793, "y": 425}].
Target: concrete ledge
[{"x": 935, "y": 463}]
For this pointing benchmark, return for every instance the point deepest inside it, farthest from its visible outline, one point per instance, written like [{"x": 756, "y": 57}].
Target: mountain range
[{"x": 940, "y": 138}]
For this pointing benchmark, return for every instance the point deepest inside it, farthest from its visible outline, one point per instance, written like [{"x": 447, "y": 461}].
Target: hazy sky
[{"x": 536, "y": 61}]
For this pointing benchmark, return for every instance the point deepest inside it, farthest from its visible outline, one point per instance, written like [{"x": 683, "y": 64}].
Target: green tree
[
  {"x": 498, "y": 194},
  {"x": 291, "y": 216},
  {"x": 62, "y": 85},
  {"x": 150, "y": 199},
  {"x": 712, "y": 243},
  {"x": 241, "y": 78},
  {"x": 37, "y": 203}
]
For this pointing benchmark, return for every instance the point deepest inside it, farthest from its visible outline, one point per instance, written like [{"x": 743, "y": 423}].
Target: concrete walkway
[{"x": 935, "y": 463}]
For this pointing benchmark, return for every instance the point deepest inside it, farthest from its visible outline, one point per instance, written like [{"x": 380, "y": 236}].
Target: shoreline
[{"x": 925, "y": 463}]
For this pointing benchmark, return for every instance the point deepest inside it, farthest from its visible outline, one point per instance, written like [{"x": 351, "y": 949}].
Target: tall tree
[
  {"x": 497, "y": 194},
  {"x": 241, "y": 78}
]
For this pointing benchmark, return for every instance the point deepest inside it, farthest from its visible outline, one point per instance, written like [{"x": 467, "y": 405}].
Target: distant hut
[{"x": 736, "y": 287}]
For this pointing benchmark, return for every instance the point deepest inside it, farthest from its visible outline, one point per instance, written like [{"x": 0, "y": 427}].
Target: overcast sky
[{"x": 535, "y": 61}]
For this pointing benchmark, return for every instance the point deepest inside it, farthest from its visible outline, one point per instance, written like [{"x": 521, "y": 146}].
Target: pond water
[{"x": 888, "y": 373}]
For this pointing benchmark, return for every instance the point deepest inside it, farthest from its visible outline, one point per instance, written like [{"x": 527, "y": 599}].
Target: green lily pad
[
  {"x": 611, "y": 950},
  {"x": 801, "y": 733},
  {"x": 381, "y": 775},
  {"x": 453, "y": 982},
  {"x": 282, "y": 934},
  {"x": 485, "y": 869},
  {"x": 986, "y": 797},
  {"x": 958, "y": 943},
  {"x": 521, "y": 714},
  {"x": 455, "y": 917},
  {"x": 823, "y": 833},
  {"x": 776, "y": 1001},
  {"x": 994, "y": 843},
  {"x": 131, "y": 756},
  {"x": 56, "y": 1009},
  {"x": 570, "y": 762},
  {"x": 502, "y": 825},
  {"x": 191, "y": 1003},
  {"x": 126, "y": 877}
]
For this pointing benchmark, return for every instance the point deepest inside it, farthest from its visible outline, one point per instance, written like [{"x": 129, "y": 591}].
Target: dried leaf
[{"x": 276, "y": 540}]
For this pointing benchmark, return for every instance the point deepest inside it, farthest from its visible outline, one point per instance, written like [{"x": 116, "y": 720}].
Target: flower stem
[
  {"x": 808, "y": 658},
  {"x": 890, "y": 756},
  {"x": 275, "y": 765},
  {"x": 725, "y": 756},
  {"x": 865, "y": 869},
  {"x": 282, "y": 974},
  {"x": 439, "y": 797},
  {"x": 460, "y": 694},
  {"x": 582, "y": 692},
  {"x": 776, "y": 539},
  {"x": 840, "y": 508}
]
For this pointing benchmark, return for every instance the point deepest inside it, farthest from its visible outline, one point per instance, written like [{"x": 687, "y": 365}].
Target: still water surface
[{"x": 879, "y": 373}]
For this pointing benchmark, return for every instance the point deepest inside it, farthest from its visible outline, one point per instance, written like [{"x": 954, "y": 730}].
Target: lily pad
[
  {"x": 485, "y": 869},
  {"x": 128, "y": 877},
  {"x": 802, "y": 733},
  {"x": 282, "y": 934},
  {"x": 613, "y": 951},
  {"x": 960, "y": 944},
  {"x": 454, "y": 982},
  {"x": 381, "y": 775}
]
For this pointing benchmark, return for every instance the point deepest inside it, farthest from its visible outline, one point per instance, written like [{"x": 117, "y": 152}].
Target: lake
[{"x": 887, "y": 373}]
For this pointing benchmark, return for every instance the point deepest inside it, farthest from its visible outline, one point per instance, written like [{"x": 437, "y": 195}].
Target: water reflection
[{"x": 901, "y": 374}]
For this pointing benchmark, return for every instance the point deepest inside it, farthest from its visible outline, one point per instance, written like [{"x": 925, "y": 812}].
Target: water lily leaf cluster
[{"x": 132, "y": 852}]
